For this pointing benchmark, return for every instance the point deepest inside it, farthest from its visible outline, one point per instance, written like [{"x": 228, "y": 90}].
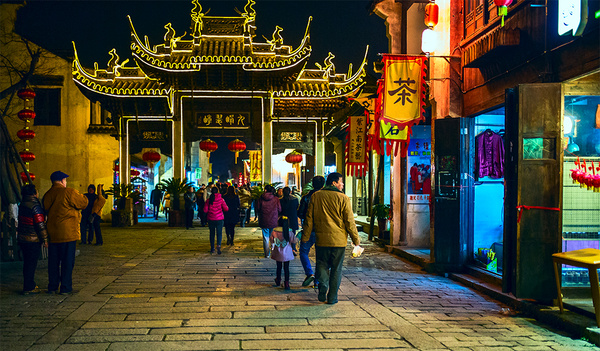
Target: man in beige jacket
[
  {"x": 330, "y": 216},
  {"x": 63, "y": 206}
]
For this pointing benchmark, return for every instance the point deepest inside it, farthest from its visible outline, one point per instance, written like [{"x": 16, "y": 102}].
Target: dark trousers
[
  {"x": 243, "y": 216},
  {"x": 329, "y": 271},
  {"x": 155, "y": 209},
  {"x": 230, "y": 232},
  {"x": 61, "y": 260},
  {"x": 92, "y": 228},
  {"x": 31, "y": 253},
  {"x": 202, "y": 217},
  {"x": 216, "y": 229},
  {"x": 286, "y": 270},
  {"x": 189, "y": 217},
  {"x": 83, "y": 226}
]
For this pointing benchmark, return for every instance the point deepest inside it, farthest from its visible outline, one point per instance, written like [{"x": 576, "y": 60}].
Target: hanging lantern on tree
[
  {"x": 208, "y": 146},
  {"x": 26, "y": 94},
  {"x": 27, "y": 156},
  {"x": 25, "y": 134},
  {"x": 432, "y": 11},
  {"x": 236, "y": 146},
  {"x": 24, "y": 177},
  {"x": 502, "y": 8},
  {"x": 26, "y": 114}
]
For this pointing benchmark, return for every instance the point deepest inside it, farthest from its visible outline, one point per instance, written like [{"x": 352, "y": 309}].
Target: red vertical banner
[
  {"x": 403, "y": 105},
  {"x": 356, "y": 146}
]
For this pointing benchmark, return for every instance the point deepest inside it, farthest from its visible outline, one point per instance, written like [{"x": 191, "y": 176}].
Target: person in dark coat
[
  {"x": 190, "y": 204},
  {"x": 289, "y": 208},
  {"x": 86, "y": 222},
  {"x": 155, "y": 199},
  {"x": 232, "y": 216},
  {"x": 268, "y": 208},
  {"x": 31, "y": 235}
]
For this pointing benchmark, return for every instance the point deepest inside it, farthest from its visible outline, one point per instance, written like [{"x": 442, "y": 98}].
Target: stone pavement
[{"x": 151, "y": 287}]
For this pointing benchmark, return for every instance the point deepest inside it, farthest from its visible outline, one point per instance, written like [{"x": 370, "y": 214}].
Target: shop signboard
[
  {"x": 255, "y": 166},
  {"x": 419, "y": 171}
]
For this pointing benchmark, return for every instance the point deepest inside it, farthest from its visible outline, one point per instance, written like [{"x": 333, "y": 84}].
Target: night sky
[{"x": 341, "y": 26}]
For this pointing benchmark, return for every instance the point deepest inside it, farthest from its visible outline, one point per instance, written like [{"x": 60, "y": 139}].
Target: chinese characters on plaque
[
  {"x": 223, "y": 120},
  {"x": 356, "y": 146}
]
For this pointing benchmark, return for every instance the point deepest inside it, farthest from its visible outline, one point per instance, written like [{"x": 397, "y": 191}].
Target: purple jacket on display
[
  {"x": 268, "y": 208},
  {"x": 489, "y": 155}
]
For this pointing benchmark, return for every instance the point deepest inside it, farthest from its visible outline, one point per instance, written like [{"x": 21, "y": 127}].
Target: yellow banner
[
  {"x": 403, "y": 88},
  {"x": 255, "y": 166},
  {"x": 391, "y": 131}
]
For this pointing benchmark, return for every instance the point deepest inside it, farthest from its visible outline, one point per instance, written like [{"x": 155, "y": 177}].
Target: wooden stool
[{"x": 584, "y": 258}]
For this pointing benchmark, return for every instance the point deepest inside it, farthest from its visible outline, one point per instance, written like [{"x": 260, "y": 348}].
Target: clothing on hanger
[{"x": 489, "y": 155}]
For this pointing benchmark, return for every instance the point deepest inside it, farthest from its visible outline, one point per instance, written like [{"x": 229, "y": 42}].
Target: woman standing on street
[
  {"x": 232, "y": 216},
  {"x": 268, "y": 208},
  {"x": 214, "y": 208},
  {"x": 31, "y": 235}
]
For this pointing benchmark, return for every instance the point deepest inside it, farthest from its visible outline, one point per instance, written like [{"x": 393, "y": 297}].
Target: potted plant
[
  {"x": 123, "y": 215},
  {"x": 382, "y": 213},
  {"x": 175, "y": 187}
]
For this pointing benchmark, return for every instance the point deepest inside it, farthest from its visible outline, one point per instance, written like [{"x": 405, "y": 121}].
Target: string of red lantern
[{"x": 26, "y": 134}]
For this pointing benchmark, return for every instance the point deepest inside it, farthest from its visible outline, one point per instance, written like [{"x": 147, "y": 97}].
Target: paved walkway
[{"x": 156, "y": 288}]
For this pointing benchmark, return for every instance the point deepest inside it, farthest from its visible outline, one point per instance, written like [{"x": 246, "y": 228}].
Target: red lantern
[
  {"x": 432, "y": 11},
  {"x": 26, "y": 114},
  {"x": 134, "y": 173},
  {"x": 24, "y": 177},
  {"x": 26, "y": 134},
  {"x": 502, "y": 8},
  {"x": 151, "y": 156},
  {"x": 208, "y": 146},
  {"x": 236, "y": 146},
  {"x": 26, "y": 94},
  {"x": 116, "y": 168},
  {"x": 27, "y": 156},
  {"x": 293, "y": 157}
]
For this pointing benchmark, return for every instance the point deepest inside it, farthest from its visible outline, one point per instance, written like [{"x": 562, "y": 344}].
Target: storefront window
[{"x": 581, "y": 204}]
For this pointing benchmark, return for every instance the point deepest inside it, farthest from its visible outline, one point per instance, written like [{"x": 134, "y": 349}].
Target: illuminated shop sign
[
  {"x": 572, "y": 16},
  {"x": 290, "y": 136},
  {"x": 153, "y": 135},
  {"x": 223, "y": 120}
]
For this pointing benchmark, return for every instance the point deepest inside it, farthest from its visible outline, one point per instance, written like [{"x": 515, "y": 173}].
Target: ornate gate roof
[{"x": 220, "y": 54}]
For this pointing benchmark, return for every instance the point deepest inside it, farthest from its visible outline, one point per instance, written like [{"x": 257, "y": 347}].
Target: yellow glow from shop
[{"x": 281, "y": 168}]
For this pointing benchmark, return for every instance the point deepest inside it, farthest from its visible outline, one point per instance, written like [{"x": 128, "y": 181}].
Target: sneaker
[
  {"x": 212, "y": 251},
  {"x": 33, "y": 291},
  {"x": 52, "y": 292},
  {"x": 68, "y": 293},
  {"x": 277, "y": 282},
  {"x": 218, "y": 250},
  {"x": 287, "y": 285},
  {"x": 309, "y": 279}
]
